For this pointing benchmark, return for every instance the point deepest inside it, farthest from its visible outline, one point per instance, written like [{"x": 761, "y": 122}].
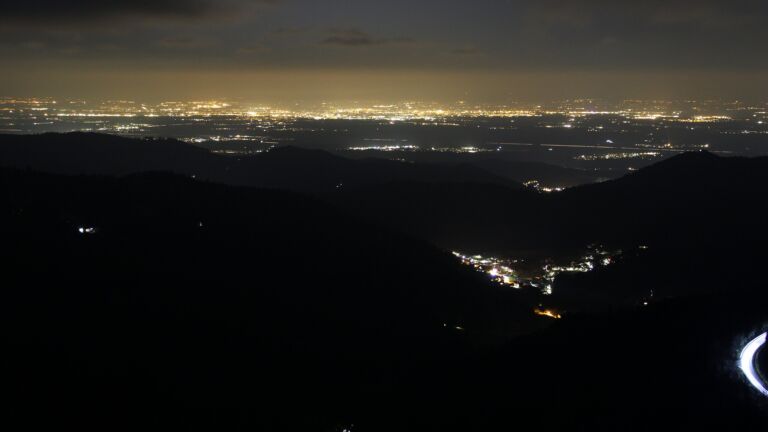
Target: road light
[{"x": 747, "y": 362}]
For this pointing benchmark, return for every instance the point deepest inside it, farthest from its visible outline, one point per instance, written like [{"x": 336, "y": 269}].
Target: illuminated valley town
[{"x": 503, "y": 272}]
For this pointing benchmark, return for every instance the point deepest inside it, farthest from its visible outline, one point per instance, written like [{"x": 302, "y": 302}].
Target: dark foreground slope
[
  {"x": 194, "y": 305},
  {"x": 670, "y": 366}
]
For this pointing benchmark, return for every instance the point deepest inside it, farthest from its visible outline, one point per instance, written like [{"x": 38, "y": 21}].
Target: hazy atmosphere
[{"x": 484, "y": 51}]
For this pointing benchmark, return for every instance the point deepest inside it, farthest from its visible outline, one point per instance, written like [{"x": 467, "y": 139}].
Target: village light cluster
[{"x": 503, "y": 272}]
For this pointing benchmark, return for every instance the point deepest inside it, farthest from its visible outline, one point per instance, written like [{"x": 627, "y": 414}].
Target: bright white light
[{"x": 747, "y": 362}]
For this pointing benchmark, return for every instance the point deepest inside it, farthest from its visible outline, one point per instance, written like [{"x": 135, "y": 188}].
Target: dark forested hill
[
  {"x": 678, "y": 199},
  {"x": 703, "y": 217},
  {"x": 700, "y": 218},
  {"x": 91, "y": 153},
  {"x": 157, "y": 300},
  {"x": 291, "y": 168}
]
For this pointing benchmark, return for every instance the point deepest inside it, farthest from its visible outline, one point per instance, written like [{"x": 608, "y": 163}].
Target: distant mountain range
[
  {"x": 291, "y": 168},
  {"x": 691, "y": 202},
  {"x": 503, "y": 164},
  {"x": 455, "y": 206}
]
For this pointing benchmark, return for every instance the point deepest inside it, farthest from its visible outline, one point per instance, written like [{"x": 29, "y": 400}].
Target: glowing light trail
[{"x": 747, "y": 362}]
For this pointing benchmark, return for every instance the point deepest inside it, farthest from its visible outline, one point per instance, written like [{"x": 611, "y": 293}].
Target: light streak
[
  {"x": 747, "y": 362},
  {"x": 547, "y": 313}
]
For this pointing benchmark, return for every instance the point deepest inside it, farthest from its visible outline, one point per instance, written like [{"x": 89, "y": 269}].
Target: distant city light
[{"x": 537, "y": 186}]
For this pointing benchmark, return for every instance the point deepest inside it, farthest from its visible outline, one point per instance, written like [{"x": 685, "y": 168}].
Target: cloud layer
[
  {"x": 51, "y": 11},
  {"x": 357, "y": 38},
  {"x": 651, "y": 37}
]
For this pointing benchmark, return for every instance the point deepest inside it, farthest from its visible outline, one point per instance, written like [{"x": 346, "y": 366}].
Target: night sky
[{"x": 291, "y": 50}]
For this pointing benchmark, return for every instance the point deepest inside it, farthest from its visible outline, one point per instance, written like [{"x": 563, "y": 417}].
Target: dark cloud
[
  {"x": 358, "y": 38},
  {"x": 289, "y": 31},
  {"x": 349, "y": 38},
  {"x": 466, "y": 51},
  {"x": 640, "y": 13},
  {"x": 185, "y": 43},
  {"x": 641, "y": 34},
  {"x": 82, "y": 10},
  {"x": 254, "y": 49}
]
